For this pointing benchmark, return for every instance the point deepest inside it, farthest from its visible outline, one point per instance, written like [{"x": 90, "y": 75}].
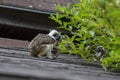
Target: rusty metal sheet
[
  {"x": 19, "y": 63},
  {"x": 13, "y": 43},
  {"x": 23, "y": 24},
  {"x": 44, "y": 5}
]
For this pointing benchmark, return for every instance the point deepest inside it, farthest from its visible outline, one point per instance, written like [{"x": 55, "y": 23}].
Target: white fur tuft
[{"x": 51, "y": 33}]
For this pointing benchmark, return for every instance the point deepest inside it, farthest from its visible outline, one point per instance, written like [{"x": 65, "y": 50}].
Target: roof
[
  {"x": 43, "y": 5},
  {"x": 25, "y": 20},
  {"x": 15, "y": 61},
  {"x": 17, "y": 64}
]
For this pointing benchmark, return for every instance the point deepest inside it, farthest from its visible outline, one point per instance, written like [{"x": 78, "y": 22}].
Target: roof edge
[{"x": 27, "y": 9}]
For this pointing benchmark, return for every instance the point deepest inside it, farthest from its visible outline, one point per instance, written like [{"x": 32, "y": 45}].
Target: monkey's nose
[{"x": 58, "y": 38}]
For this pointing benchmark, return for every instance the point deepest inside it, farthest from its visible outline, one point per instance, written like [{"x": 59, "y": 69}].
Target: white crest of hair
[{"x": 51, "y": 34}]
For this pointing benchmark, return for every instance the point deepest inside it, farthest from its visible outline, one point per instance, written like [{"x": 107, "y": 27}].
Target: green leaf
[
  {"x": 92, "y": 33},
  {"x": 60, "y": 8}
]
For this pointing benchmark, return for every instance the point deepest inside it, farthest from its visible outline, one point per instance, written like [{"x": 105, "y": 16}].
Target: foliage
[
  {"x": 112, "y": 63},
  {"x": 91, "y": 23}
]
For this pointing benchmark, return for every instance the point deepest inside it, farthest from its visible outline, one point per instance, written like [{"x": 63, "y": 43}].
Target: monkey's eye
[{"x": 55, "y": 35}]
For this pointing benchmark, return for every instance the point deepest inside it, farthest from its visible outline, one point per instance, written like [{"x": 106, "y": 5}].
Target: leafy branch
[{"x": 91, "y": 23}]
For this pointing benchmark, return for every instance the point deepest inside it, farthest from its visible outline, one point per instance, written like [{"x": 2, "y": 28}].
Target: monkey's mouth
[{"x": 58, "y": 38}]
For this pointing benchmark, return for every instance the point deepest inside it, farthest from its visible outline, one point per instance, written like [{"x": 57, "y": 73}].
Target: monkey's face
[
  {"x": 99, "y": 48},
  {"x": 54, "y": 34},
  {"x": 57, "y": 36}
]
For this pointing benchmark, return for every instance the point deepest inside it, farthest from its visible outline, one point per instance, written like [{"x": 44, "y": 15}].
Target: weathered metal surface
[
  {"x": 23, "y": 24},
  {"x": 26, "y": 19},
  {"x": 44, "y": 5},
  {"x": 18, "y": 63},
  {"x": 22, "y": 53},
  {"x": 13, "y": 43}
]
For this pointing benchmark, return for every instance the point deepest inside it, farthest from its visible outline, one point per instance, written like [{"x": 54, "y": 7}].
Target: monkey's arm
[{"x": 55, "y": 52}]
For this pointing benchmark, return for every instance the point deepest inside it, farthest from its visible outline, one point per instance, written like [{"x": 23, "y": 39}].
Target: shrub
[
  {"x": 91, "y": 23},
  {"x": 112, "y": 63}
]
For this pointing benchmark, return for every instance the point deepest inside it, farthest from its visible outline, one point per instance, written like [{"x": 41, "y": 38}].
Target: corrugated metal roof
[
  {"x": 44, "y": 5},
  {"x": 16, "y": 64},
  {"x": 13, "y": 43},
  {"x": 19, "y": 23}
]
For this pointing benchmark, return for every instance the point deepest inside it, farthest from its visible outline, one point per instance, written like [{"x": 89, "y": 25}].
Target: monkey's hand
[{"x": 55, "y": 52}]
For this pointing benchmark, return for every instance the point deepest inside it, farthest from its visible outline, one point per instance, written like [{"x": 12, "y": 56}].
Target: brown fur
[{"x": 39, "y": 44}]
